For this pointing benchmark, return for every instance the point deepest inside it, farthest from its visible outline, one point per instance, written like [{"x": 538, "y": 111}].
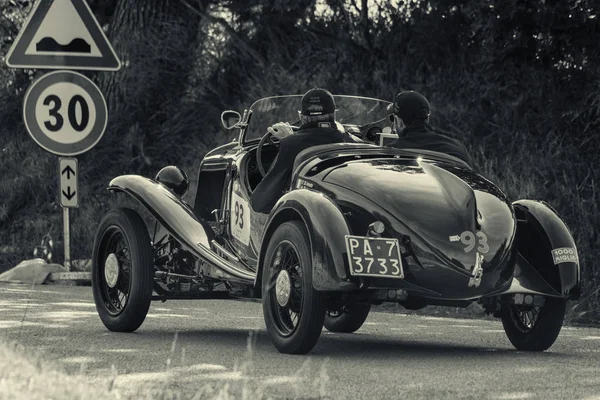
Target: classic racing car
[{"x": 360, "y": 225}]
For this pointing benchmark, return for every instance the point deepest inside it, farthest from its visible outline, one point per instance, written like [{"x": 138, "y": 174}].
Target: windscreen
[{"x": 351, "y": 110}]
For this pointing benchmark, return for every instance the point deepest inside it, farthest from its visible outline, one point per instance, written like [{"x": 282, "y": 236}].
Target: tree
[{"x": 156, "y": 41}]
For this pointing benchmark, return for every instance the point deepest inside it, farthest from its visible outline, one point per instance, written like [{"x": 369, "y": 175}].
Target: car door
[{"x": 244, "y": 224}]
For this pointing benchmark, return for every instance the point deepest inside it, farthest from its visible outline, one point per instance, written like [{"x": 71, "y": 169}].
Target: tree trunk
[{"x": 156, "y": 41}]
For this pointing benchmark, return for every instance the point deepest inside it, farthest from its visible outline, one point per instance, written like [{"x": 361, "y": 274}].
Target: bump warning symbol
[{"x": 62, "y": 34}]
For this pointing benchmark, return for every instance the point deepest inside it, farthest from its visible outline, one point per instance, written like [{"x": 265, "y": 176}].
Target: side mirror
[{"x": 230, "y": 119}]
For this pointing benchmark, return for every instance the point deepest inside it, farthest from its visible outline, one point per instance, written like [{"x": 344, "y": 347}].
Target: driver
[
  {"x": 410, "y": 116},
  {"x": 318, "y": 126}
]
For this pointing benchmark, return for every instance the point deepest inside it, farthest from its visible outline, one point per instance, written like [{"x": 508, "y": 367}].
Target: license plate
[{"x": 377, "y": 257}]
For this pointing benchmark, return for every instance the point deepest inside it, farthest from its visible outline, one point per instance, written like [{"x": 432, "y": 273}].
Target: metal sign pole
[
  {"x": 52, "y": 101},
  {"x": 67, "y": 238}
]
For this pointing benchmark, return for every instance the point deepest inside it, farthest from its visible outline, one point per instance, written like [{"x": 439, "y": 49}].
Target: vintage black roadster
[{"x": 360, "y": 225}]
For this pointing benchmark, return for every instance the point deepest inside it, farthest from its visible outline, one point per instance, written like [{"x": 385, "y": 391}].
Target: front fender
[
  {"x": 326, "y": 228},
  {"x": 541, "y": 236},
  {"x": 179, "y": 219}
]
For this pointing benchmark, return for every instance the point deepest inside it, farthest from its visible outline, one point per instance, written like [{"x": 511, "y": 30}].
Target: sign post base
[{"x": 67, "y": 238}]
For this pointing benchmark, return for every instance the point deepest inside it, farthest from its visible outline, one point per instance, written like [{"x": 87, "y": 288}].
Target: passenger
[
  {"x": 410, "y": 116},
  {"x": 318, "y": 127}
]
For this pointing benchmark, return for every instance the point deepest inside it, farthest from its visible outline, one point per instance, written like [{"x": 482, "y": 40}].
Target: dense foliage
[{"x": 516, "y": 80}]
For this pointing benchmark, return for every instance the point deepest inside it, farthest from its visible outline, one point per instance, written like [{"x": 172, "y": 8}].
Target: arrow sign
[
  {"x": 68, "y": 182},
  {"x": 68, "y": 170},
  {"x": 68, "y": 195}
]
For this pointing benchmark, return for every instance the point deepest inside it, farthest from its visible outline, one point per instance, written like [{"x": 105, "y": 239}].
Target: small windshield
[{"x": 351, "y": 110}]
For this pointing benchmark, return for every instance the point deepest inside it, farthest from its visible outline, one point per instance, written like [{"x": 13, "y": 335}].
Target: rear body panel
[{"x": 428, "y": 208}]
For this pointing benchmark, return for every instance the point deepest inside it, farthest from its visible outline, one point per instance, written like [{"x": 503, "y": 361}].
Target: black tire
[
  {"x": 122, "y": 233},
  {"x": 308, "y": 305},
  {"x": 347, "y": 320},
  {"x": 535, "y": 329}
]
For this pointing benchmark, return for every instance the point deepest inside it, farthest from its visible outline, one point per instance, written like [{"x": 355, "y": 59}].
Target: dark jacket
[
  {"x": 277, "y": 180},
  {"x": 423, "y": 137}
]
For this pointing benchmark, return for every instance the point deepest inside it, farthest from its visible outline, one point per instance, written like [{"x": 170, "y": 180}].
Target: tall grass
[{"x": 24, "y": 376}]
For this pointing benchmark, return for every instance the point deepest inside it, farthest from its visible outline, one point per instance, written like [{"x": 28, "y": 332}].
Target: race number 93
[
  {"x": 240, "y": 219},
  {"x": 239, "y": 215},
  {"x": 470, "y": 240}
]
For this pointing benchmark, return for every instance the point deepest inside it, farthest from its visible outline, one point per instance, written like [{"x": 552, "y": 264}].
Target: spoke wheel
[
  {"x": 122, "y": 270},
  {"x": 534, "y": 328},
  {"x": 347, "y": 319},
  {"x": 524, "y": 318},
  {"x": 293, "y": 310},
  {"x": 115, "y": 271}
]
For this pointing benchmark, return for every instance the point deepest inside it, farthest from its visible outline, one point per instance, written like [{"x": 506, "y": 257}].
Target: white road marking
[
  {"x": 513, "y": 396},
  {"x": 120, "y": 351},
  {"x": 78, "y": 360},
  {"x": 168, "y": 316},
  {"x": 206, "y": 367},
  {"x": 276, "y": 380},
  {"x": 74, "y": 304},
  {"x": 66, "y": 315},
  {"x": 27, "y": 290},
  {"x": 24, "y": 306},
  {"x": 590, "y": 338},
  {"x": 137, "y": 377},
  {"x": 229, "y": 375},
  {"x": 430, "y": 318},
  {"x": 463, "y": 326},
  {"x": 18, "y": 324},
  {"x": 531, "y": 369}
]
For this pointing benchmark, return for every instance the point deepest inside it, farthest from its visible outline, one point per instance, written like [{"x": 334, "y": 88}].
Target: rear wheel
[
  {"x": 348, "y": 319},
  {"x": 122, "y": 271},
  {"x": 293, "y": 310},
  {"x": 534, "y": 328}
]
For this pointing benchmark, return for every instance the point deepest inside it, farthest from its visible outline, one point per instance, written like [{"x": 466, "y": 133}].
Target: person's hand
[{"x": 280, "y": 130}]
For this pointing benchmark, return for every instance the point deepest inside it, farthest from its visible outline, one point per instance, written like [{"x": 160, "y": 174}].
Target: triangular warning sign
[{"x": 62, "y": 34}]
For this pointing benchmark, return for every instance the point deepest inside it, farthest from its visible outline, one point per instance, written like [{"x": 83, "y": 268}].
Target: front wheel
[
  {"x": 534, "y": 328},
  {"x": 293, "y": 310},
  {"x": 348, "y": 319},
  {"x": 122, "y": 270}
]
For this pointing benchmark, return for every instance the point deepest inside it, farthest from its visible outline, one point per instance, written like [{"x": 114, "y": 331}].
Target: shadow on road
[{"x": 347, "y": 345}]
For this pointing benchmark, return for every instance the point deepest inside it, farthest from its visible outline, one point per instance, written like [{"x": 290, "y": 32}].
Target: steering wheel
[{"x": 263, "y": 140}]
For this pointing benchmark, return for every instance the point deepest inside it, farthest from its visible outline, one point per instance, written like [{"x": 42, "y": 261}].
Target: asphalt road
[{"x": 201, "y": 347}]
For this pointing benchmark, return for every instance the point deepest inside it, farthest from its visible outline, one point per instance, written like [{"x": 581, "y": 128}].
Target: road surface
[{"x": 202, "y": 347}]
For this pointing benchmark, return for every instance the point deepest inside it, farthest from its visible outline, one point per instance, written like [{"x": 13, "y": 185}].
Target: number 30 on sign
[{"x": 65, "y": 113}]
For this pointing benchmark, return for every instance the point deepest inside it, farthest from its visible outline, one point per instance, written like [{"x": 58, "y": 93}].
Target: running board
[{"x": 216, "y": 295}]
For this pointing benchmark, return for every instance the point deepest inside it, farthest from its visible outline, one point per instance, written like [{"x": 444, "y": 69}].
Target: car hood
[{"x": 438, "y": 204}]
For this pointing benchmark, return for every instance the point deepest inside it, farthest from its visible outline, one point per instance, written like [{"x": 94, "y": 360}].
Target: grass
[{"x": 23, "y": 376}]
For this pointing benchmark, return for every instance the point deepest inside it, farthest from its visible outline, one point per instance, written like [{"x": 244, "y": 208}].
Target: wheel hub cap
[
  {"x": 283, "y": 288},
  {"x": 111, "y": 270}
]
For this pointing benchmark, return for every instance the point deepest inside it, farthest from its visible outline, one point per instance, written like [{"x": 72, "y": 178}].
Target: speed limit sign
[{"x": 65, "y": 113}]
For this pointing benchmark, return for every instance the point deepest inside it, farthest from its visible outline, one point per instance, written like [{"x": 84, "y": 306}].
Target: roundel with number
[{"x": 65, "y": 113}]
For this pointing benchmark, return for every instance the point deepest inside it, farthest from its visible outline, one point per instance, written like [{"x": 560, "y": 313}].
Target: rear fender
[
  {"x": 326, "y": 227},
  {"x": 547, "y": 252},
  {"x": 179, "y": 219}
]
